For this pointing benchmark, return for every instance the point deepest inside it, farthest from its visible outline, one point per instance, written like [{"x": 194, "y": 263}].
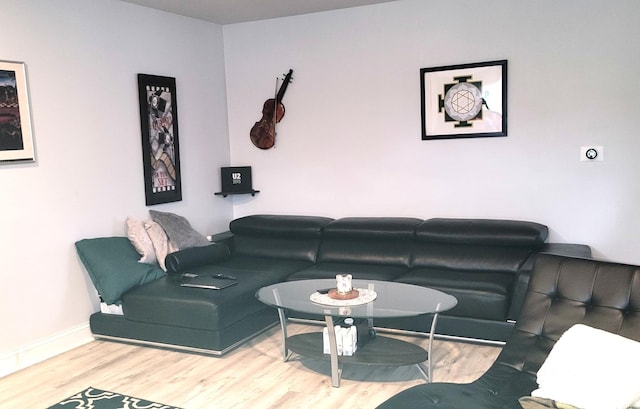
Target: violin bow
[{"x": 275, "y": 110}]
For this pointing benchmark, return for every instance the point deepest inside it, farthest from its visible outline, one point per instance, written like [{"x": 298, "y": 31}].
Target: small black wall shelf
[{"x": 251, "y": 192}]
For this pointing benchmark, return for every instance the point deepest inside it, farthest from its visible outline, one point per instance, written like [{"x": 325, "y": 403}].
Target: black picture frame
[
  {"x": 160, "y": 142},
  {"x": 464, "y": 100}
]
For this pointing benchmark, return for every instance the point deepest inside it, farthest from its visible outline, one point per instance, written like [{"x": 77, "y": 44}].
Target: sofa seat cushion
[
  {"x": 165, "y": 302},
  {"x": 358, "y": 271},
  {"x": 483, "y": 295}
]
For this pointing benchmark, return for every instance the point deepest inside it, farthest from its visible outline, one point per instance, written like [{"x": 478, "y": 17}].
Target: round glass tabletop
[{"x": 392, "y": 299}]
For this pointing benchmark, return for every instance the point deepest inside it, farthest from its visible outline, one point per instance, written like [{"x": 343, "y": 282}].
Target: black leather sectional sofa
[{"x": 485, "y": 264}]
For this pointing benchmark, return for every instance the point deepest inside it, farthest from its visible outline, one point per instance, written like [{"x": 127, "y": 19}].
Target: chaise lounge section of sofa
[
  {"x": 484, "y": 263},
  {"x": 163, "y": 313},
  {"x": 563, "y": 292}
]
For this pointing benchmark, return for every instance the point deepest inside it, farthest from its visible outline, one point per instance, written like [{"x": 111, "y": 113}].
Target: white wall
[
  {"x": 349, "y": 144},
  {"x": 82, "y": 61}
]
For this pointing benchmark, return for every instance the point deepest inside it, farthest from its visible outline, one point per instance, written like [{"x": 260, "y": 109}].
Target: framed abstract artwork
[
  {"x": 160, "y": 147},
  {"x": 16, "y": 139},
  {"x": 464, "y": 101}
]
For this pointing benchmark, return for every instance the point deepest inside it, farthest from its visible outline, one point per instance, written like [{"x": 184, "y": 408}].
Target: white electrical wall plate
[{"x": 591, "y": 153}]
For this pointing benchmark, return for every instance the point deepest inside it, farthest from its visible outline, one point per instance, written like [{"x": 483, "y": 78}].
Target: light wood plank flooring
[{"x": 252, "y": 376}]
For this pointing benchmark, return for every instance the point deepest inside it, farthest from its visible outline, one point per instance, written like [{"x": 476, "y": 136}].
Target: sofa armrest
[
  {"x": 182, "y": 260},
  {"x": 226, "y": 238},
  {"x": 520, "y": 288},
  {"x": 567, "y": 249}
]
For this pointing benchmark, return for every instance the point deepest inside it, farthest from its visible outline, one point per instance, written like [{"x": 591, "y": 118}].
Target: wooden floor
[{"x": 252, "y": 376}]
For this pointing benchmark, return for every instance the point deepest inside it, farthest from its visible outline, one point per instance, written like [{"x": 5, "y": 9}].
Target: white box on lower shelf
[{"x": 346, "y": 340}]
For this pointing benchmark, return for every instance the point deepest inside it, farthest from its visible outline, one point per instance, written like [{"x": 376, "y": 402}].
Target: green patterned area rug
[{"x": 92, "y": 398}]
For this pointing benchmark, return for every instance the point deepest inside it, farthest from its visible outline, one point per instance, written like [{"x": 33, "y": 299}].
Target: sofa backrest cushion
[
  {"x": 374, "y": 240},
  {"x": 476, "y": 244},
  {"x": 279, "y": 236},
  {"x": 565, "y": 291},
  {"x": 112, "y": 264},
  {"x": 511, "y": 233}
]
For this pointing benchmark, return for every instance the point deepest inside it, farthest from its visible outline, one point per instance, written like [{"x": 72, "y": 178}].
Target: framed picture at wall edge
[
  {"x": 160, "y": 145},
  {"x": 464, "y": 101},
  {"x": 16, "y": 139}
]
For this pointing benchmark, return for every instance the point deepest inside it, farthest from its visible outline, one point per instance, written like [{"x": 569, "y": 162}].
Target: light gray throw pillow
[{"x": 179, "y": 230}]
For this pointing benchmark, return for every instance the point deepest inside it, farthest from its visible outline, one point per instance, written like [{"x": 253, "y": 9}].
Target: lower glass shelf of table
[
  {"x": 381, "y": 350},
  {"x": 393, "y": 300}
]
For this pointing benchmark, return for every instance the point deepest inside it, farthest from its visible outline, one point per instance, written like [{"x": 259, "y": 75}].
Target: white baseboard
[{"x": 42, "y": 350}]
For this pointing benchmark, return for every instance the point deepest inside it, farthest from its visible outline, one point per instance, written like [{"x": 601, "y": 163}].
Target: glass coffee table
[{"x": 391, "y": 300}]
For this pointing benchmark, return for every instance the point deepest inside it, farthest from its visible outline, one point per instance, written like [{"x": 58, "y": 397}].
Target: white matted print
[
  {"x": 16, "y": 140},
  {"x": 464, "y": 101}
]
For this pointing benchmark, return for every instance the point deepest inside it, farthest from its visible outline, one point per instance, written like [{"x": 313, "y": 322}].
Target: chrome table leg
[{"x": 336, "y": 371}]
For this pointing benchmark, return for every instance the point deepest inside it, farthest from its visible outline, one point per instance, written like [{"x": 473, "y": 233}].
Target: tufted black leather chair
[{"x": 563, "y": 291}]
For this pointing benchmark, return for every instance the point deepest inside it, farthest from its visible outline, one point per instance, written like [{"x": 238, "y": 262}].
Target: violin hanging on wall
[{"x": 263, "y": 133}]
